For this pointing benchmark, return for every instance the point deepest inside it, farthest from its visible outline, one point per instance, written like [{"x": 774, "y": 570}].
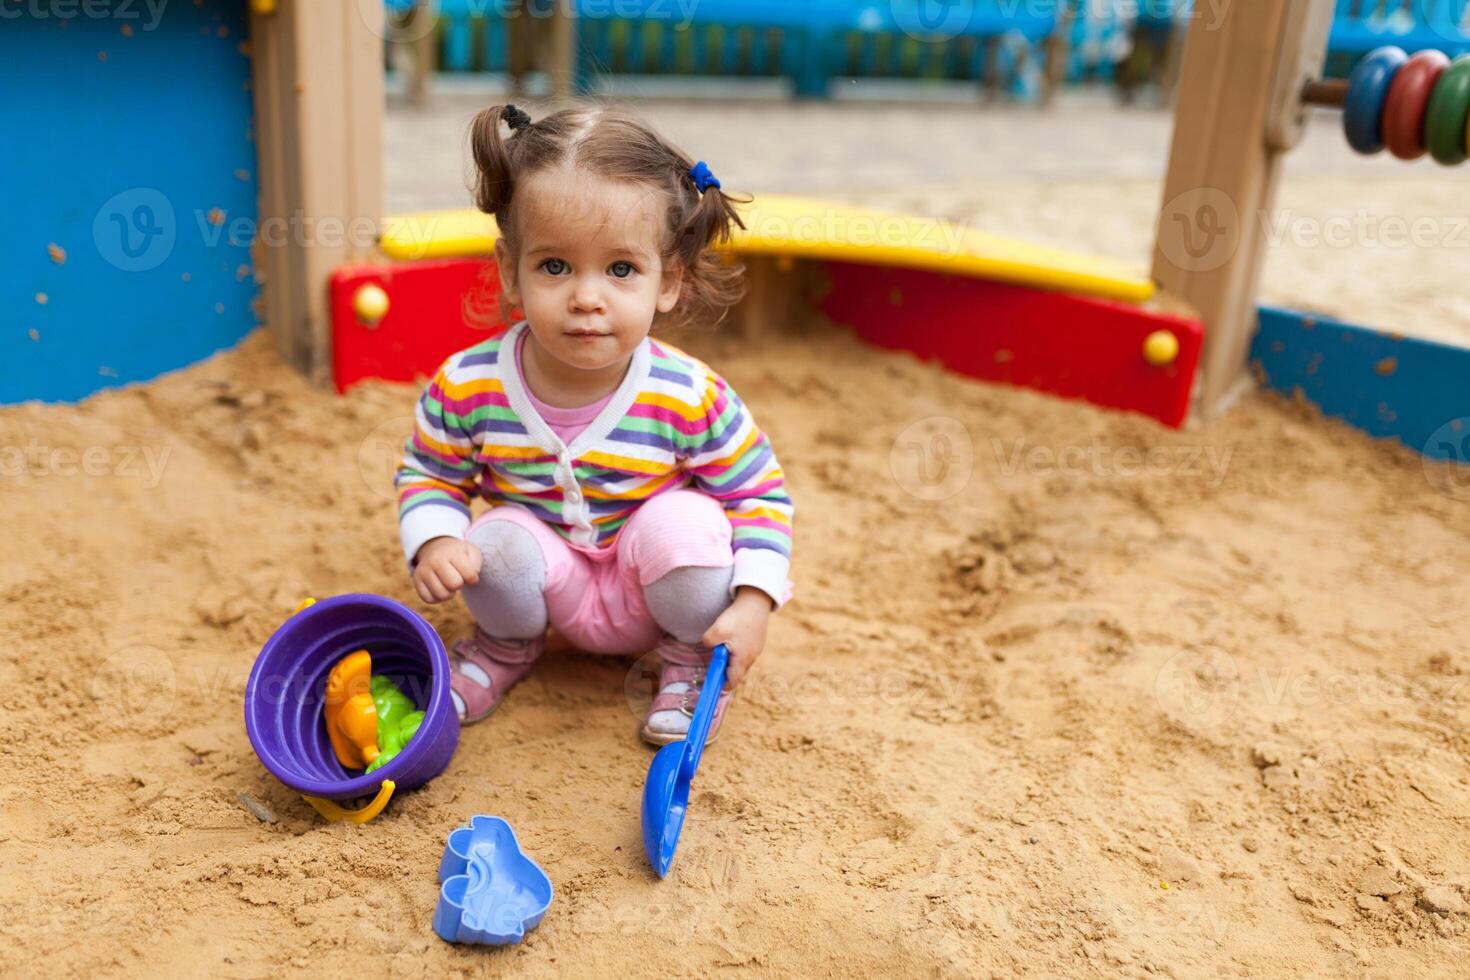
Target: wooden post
[
  {"x": 563, "y": 51},
  {"x": 317, "y": 76},
  {"x": 423, "y": 32},
  {"x": 1237, "y": 111},
  {"x": 520, "y": 42},
  {"x": 770, "y": 297},
  {"x": 1168, "y": 75},
  {"x": 992, "y": 80},
  {"x": 1058, "y": 46}
]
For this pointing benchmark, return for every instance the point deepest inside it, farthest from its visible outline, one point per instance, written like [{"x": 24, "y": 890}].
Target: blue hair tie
[{"x": 703, "y": 179}]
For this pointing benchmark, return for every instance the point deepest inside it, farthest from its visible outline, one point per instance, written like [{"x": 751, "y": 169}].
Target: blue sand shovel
[{"x": 666, "y": 794}]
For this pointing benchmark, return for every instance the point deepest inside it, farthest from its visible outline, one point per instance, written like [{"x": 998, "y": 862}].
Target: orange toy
[{"x": 351, "y": 717}]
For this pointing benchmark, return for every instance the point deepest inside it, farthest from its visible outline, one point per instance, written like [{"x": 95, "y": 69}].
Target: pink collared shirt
[{"x": 567, "y": 423}]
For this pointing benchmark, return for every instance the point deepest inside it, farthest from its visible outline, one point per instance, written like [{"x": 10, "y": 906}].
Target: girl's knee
[
  {"x": 509, "y": 600},
  {"x": 510, "y": 552},
  {"x": 686, "y": 601}
]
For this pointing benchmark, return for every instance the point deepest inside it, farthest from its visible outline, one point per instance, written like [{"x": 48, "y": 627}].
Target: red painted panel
[
  {"x": 425, "y": 322},
  {"x": 1073, "y": 346},
  {"x": 1069, "y": 345}
]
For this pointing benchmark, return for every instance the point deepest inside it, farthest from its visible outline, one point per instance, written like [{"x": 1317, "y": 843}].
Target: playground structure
[
  {"x": 118, "y": 271},
  {"x": 1246, "y": 85},
  {"x": 345, "y": 304},
  {"x": 1241, "y": 106},
  {"x": 1070, "y": 324},
  {"x": 225, "y": 202}
]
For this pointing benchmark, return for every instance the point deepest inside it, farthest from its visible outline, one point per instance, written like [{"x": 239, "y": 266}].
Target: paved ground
[
  {"x": 1084, "y": 174},
  {"x": 769, "y": 144}
]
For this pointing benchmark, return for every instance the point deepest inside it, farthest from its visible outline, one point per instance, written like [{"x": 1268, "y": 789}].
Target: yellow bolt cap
[
  {"x": 1161, "y": 348},
  {"x": 370, "y": 303}
]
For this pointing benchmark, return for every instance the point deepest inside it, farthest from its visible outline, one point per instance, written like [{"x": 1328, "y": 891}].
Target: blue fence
[
  {"x": 809, "y": 43},
  {"x": 815, "y": 41}
]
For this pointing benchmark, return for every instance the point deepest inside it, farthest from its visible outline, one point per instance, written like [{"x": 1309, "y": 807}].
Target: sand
[{"x": 1062, "y": 692}]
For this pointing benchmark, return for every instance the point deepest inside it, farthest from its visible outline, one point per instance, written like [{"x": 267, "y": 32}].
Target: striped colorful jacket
[{"x": 672, "y": 423}]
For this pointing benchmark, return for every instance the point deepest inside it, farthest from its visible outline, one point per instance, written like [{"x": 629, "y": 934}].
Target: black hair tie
[{"x": 516, "y": 119}]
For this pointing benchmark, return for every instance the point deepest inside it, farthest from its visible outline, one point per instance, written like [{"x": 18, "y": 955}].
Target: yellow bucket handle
[{"x": 333, "y": 813}]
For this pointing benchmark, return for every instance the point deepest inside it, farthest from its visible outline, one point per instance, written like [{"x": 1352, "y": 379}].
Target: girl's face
[{"x": 589, "y": 275}]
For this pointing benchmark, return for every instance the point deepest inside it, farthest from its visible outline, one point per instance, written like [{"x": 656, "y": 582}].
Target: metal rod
[{"x": 1332, "y": 93}]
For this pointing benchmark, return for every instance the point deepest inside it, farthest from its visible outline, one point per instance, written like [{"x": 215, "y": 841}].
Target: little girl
[{"x": 636, "y": 505}]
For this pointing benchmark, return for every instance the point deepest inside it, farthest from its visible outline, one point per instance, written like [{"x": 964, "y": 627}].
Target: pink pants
[{"x": 594, "y": 598}]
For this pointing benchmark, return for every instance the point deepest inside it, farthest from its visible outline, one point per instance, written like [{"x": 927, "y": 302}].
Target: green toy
[{"x": 397, "y": 720}]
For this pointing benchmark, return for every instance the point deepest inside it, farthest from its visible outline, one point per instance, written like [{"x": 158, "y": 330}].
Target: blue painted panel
[
  {"x": 1415, "y": 391},
  {"x": 125, "y": 135}
]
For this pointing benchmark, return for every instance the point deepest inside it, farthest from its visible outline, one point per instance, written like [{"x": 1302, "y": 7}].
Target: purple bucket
[{"x": 287, "y": 687}]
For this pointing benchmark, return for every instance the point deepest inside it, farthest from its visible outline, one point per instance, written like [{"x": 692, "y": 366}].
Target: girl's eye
[
  {"x": 621, "y": 270},
  {"x": 555, "y": 267}
]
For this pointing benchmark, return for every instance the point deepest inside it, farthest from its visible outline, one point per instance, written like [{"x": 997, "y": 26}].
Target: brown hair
[{"x": 615, "y": 144}]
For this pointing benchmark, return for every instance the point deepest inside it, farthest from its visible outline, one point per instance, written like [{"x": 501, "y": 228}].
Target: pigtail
[
  {"x": 484, "y": 306},
  {"x": 494, "y": 176},
  {"x": 709, "y": 224},
  {"x": 713, "y": 281}
]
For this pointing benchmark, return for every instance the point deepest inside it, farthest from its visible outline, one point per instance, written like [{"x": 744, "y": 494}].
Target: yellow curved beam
[
  {"x": 333, "y": 812},
  {"x": 814, "y": 229}
]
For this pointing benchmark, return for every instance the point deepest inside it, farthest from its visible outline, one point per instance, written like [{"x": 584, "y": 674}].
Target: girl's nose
[{"x": 587, "y": 298}]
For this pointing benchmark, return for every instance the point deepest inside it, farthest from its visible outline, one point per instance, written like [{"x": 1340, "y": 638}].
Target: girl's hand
[
  {"x": 742, "y": 627},
  {"x": 444, "y": 566}
]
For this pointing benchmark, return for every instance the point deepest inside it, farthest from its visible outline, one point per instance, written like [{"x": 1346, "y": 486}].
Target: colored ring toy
[
  {"x": 1444, "y": 129},
  {"x": 1362, "y": 113},
  {"x": 1408, "y": 103}
]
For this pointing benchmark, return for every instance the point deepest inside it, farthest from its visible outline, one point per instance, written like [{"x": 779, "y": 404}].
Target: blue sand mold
[
  {"x": 1415, "y": 391},
  {"x": 119, "y": 163},
  {"x": 491, "y": 892}
]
